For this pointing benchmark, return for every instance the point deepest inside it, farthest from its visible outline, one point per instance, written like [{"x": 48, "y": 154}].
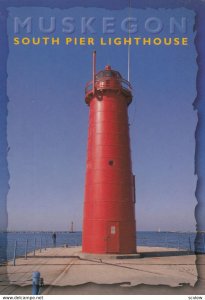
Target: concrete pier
[{"x": 66, "y": 267}]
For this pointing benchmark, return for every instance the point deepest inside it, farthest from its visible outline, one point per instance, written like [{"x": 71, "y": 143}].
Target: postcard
[{"x": 102, "y": 148}]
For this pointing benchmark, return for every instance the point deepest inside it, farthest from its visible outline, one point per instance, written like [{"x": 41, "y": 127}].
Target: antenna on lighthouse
[
  {"x": 94, "y": 70},
  {"x": 128, "y": 49}
]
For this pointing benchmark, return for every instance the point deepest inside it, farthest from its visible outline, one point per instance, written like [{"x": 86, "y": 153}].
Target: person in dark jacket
[{"x": 54, "y": 239}]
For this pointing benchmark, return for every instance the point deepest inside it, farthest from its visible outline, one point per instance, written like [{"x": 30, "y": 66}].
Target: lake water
[{"x": 39, "y": 240}]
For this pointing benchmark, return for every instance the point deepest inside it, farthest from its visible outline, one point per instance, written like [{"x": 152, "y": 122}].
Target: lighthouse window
[
  {"x": 111, "y": 162},
  {"x": 108, "y": 73}
]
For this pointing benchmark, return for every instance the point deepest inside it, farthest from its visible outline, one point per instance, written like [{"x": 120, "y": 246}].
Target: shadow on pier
[{"x": 166, "y": 253}]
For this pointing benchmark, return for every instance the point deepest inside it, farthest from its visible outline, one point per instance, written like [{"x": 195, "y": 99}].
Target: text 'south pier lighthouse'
[{"x": 109, "y": 204}]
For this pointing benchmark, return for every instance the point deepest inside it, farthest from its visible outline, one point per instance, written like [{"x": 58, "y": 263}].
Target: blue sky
[{"x": 47, "y": 125}]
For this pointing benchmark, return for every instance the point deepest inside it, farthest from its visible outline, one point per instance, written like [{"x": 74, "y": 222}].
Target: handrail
[
  {"x": 124, "y": 83},
  {"x": 22, "y": 247}
]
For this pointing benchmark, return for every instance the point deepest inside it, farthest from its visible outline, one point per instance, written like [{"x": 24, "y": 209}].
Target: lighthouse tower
[{"x": 109, "y": 204}]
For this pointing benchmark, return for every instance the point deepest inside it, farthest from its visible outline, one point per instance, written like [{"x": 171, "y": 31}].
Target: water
[{"x": 43, "y": 240}]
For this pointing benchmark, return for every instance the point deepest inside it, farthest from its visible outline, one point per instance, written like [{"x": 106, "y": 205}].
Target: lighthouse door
[{"x": 113, "y": 244}]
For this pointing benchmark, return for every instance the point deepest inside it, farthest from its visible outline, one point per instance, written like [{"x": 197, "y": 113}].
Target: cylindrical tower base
[{"x": 109, "y": 207}]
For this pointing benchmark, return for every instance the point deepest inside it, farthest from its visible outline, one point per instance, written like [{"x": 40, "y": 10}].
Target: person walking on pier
[{"x": 54, "y": 239}]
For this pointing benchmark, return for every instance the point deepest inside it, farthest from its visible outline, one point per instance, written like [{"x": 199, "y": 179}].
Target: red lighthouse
[{"x": 109, "y": 204}]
